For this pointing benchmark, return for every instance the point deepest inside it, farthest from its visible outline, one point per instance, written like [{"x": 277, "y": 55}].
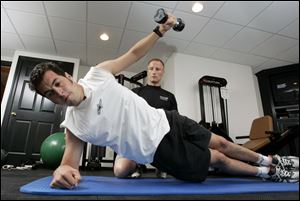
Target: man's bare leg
[
  {"x": 231, "y": 166},
  {"x": 234, "y": 151},
  {"x": 123, "y": 167}
]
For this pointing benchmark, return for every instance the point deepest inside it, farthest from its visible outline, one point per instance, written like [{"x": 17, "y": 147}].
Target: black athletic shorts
[{"x": 183, "y": 152}]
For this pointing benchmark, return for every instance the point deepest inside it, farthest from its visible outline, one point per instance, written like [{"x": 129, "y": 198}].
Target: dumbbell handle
[{"x": 160, "y": 16}]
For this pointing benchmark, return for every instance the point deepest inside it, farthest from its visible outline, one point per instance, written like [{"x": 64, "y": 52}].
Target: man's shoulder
[
  {"x": 167, "y": 92},
  {"x": 137, "y": 89},
  {"x": 150, "y": 89}
]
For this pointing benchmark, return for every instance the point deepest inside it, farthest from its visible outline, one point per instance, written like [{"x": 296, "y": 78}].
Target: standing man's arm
[{"x": 173, "y": 103}]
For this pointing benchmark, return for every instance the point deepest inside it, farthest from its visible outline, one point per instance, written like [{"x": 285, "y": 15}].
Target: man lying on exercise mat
[{"x": 105, "y": 113}]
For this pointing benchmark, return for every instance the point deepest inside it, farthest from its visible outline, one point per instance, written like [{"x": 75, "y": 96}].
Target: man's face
[
  {"x": 60, "y": 89},
  {"x": 155, "y": 72}
]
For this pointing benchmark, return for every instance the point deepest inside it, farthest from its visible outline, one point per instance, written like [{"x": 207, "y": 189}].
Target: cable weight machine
[{"x": 213, "y": 104}]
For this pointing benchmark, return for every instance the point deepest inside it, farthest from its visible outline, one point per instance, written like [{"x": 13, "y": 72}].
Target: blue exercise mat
[{"x": 96, "y": 185}]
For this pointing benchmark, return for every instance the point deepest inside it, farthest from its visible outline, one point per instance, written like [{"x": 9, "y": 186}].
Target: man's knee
[
  {"x": 120, "y": 172},
  {"x": 123, "y": 167},
  {"x": 220, "y": 143},
  {"x": 218, "y": 159}
]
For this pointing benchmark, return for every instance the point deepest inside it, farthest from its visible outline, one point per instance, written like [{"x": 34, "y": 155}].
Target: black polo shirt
[{"x": 157, "y": 97}]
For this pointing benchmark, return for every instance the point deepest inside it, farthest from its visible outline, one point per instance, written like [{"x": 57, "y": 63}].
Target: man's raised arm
[{"x": 139, "y": 50}]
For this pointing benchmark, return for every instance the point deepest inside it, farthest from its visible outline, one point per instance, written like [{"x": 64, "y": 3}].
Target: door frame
[{"x": 11, "y": 76}]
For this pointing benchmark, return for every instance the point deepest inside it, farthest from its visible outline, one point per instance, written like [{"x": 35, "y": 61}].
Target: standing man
[
  {"x": 155, "y": 97},
  {"x": 152, "y": 92}
]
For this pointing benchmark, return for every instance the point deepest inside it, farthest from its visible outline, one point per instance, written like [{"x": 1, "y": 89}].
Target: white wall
[
  {"x": 181, "y": 78},
  {"x": 168, "y": 80}
]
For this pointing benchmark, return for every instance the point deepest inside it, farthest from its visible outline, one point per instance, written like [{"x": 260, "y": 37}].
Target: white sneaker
[
  {"x": 138, "y": 173},
  {"x": 160, "y": 174},
  {"x": 286, "y": 162},
  {"x": 281, "y": 175}
]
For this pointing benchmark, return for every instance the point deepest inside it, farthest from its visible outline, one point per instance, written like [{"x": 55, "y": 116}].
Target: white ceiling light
[
  {"x": 104, "y": 37},
  {"x": 197, "y": 7}
]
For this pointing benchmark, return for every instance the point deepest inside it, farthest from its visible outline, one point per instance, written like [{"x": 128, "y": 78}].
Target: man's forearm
[
  {"x": 142, "y": 47},
  {"x": 71, "y": 158},
  {"x": 133, "y": 55},
  {"x": 73, "y": 151},
  {"x": 139, "y": 50}
]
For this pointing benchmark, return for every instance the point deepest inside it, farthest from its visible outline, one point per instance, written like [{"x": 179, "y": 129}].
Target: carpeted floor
[{"x": 12, "y": 180}]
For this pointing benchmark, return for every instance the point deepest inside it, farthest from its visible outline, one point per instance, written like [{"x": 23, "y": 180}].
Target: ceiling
[{"x": 260, "y": 34}]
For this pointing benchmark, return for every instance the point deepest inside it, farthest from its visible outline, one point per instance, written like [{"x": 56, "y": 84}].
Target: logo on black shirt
[
  {"x": 99, "y": 107},
  {"x": 163, "y": 98}
]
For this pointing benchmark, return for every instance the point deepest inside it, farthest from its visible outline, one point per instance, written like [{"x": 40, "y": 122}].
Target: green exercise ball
[{"x": 52, "y": 150}]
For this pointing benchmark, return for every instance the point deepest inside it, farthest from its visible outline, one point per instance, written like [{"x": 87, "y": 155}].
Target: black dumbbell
[{"x": 161, "y": 17}]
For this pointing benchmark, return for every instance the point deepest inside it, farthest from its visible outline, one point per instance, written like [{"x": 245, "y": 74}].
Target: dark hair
[
  {"x": 38, "y": 72},
  {"x": 156, "y": 59}
]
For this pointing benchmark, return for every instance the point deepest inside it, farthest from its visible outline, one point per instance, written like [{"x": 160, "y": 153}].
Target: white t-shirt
[{"x": 114, "y": 116}]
